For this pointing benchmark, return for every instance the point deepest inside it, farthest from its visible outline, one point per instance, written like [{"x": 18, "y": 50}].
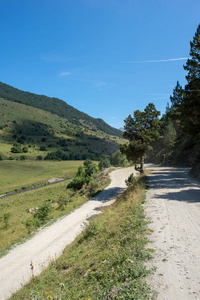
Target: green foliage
[
  {"x": 25, "y": 149},
  {"x": 39, "y": 218},
  {"x": 169, "y": 136},
  {"x": 30, "y": 224},
  {"x": 190, "y": 109},
  {"x": 177, "y": 101},
  {"x": 16, "y": 148},
  {"x": 83, "y": 176},
  {"x": 62, "y": 202},
  {"x": 92, "y": 187},
  {"x": 6, "y": 219},
  {"x": 39, "y": 157},
  {"x": 41, "y": 215},
  {"x": 118, "y": 159},
  {"x": 43, "y": 148},
  {"x": 22, "y": 157},
  {"x": 104, "y": 163},
  {"x": 26, "y": 125},
  {"x": 141, "y": 131},
  {"x": 131, "y": 180},
  {"x": 2, "y": 156}
]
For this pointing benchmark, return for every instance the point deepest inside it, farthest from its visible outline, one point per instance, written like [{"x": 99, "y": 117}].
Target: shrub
[
  {"x": 104, "y": 163},
  {"x": 39, "y": 157},
  {"x": 16, "y": 148},
  {"x": 25, "y": 149},
  {"x": 92, "y": 187},
  {"x": 83, "y": 176},
  {"x": 41, "y": 215},
  {"x": 6, "y": 219},
  {"x": 62, "y": 202},
  {"x": 131, "y": 179},
  {"x": 2, "y": 156},
  {"x": 43, "y": 148},
  {"x": 118, "y": 159},
  {"x": 22, "y": 157}
]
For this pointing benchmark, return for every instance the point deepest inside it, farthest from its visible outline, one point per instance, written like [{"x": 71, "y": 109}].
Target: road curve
[
  {"x": 173, "y": 209},
  {"x": 49, "y": 243}
]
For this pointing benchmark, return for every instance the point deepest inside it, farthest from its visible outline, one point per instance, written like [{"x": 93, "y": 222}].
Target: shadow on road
[
  {"x": 187, "y": 188},
  {"x": 108, "y": 194}
]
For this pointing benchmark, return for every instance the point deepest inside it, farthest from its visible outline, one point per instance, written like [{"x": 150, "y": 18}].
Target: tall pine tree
[
  {"x": 190, "y": 108},
  {"x": 141, "y": 131}
]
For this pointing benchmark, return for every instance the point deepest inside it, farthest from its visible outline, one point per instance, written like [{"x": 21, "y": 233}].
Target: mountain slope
[
  {"x": 56, "y": 106},
  {"x": 41, "y": 133}
]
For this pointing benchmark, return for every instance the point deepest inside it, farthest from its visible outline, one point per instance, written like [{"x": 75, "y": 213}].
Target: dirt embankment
[{"x": 173, "y": 208}]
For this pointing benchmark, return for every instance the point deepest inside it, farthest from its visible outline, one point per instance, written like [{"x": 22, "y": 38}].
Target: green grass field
[
  {"x": 61, "y": 200},
  {"x": 19, "y": 205},
  {"x": 18, "y": 174}
]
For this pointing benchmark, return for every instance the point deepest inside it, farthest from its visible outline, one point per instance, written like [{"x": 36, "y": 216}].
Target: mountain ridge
[{"x": 56, "y": 106}]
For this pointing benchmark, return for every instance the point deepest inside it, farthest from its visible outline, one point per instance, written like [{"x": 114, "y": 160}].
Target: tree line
[{"x": 182, "y": 118}]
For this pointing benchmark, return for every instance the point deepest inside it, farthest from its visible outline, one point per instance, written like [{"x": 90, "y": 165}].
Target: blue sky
[{"x": 106, "y": 58}]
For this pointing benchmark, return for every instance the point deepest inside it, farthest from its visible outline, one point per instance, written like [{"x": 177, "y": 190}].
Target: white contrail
[{"x": 154, "y": 61}]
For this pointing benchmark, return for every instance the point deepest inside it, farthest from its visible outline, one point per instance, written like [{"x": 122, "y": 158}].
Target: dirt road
[
  {"x": 173, "y": 207},
  {"x": 48, "y": 244}
]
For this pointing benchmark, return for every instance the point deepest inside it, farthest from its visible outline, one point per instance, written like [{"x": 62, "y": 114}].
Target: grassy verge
[
  {"x": 19, "y": 174},
  {"x": 105, "y": 262},
  {"x": 62, "y": 202}
]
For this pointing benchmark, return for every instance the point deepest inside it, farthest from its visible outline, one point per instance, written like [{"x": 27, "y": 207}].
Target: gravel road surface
[
  {"x": 49, "y": 243},
  {"x": 173, "y": 208}
]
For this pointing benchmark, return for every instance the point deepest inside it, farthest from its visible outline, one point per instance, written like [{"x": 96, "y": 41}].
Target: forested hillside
[
  {"x": 55, "y": 106},
  {"x": 29, "y": 132}
]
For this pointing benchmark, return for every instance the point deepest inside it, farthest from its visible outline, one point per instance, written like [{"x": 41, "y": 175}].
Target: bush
[
  {"x": 104, "y": 163},
  {"x": 43, "y": 148},
  {"x": 39, "y": 157},
  {"x": 131, "y": 179},
  {"x": 83, "y": 176},
  {"x": 6, "y": 219},
  {"x": 92, "y": 187},
  {"x": 77, "y": 183},
  {"x": 62, "y": 202},
  {"x": 16, "y": 148},
  {"x": 118, "y": 159},
  {"x": 42, "y": 213},
  {"x": 2, "y": 156},
  {"x": 22, "y": 157},
  {"x": 25, "y": 149}
]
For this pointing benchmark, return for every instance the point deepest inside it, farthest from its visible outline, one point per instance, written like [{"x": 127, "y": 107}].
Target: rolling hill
[
  {"x": 57, "y": 107},
  {"x": 39, "y": 126}
]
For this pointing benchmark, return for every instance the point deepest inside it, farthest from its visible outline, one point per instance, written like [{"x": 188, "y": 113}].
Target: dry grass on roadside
[{"x": 105, "y": 262}]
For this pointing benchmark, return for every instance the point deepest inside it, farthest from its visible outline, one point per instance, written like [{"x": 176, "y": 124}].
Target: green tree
[
  {"x": 169, "y": 136},
  {"x": 104, "y": 163},
  {"x": 190, "y": 108},
  {"x": 177, "y": 101},
  {"x": 141, "y": 130},
  {"x": 118, "y": 159},
  {"x": 16, "y": 148}
]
